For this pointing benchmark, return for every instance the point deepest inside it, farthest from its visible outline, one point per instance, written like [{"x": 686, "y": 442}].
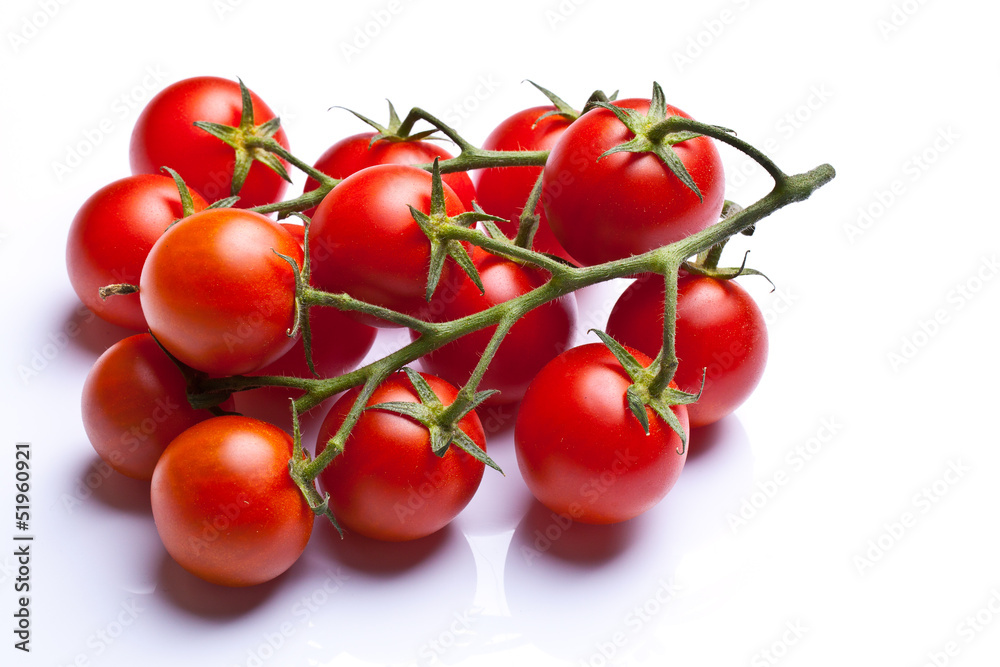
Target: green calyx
[
  {"x": 440, "y": 421},
  {"x": 436, "y": 223},
  {"x": 394, "y": 131},
  {"x": 639, "y": 395},
  {"x": 653, "y": 134},
  {"x": 249, "y": 141}
]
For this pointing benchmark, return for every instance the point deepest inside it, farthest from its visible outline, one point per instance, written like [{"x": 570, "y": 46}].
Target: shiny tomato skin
[
  {"x": 356, "y": 152},
  {"x": 625, "y": 203},
  {"x": 134, "y": 403},
  {"x": 110, "y": 237},
  {"x": 164, "y": 136},
  {"x": 720, "y": 335},
  {"x": 533, "y": 341},
  {"x": 364, "y": 241},
  {"x": 503, "y": 191},
  {"x": 216, "y": 294},
  {"x": 224, "y": 504},
  {"x": 387, "y": 484},
  {"x": 582, "y": 452}
]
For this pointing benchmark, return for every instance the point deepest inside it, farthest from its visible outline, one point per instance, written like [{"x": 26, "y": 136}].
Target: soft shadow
[
  {"x": 113, "y": 489},
  {"x": 89, "y": 332},
  {"x": 544, "y": 533},
  {"x": 210, "y": 601},
  {"x": 375, "y": 557},
  {"x": 704, "y": 439}
]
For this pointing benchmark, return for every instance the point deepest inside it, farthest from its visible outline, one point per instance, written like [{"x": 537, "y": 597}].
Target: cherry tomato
[
  {"x": 111, "y": 236},
  {"x": 216, "y": 294},
  {"x": 164, "y": 136},
  {"x": 387, "y": 483},
  {"x": 720, "y": 336},
  {"x": 533, "y": 341},
  {"x": 135, "y": 403},
  {"x": 356, "y": 152},
  {"x": 364, "y": 241},
  {"x": 224, "y": 504},
  {"x": 582, "y": 452},
  {"x": 503, "y": 191},
  {"x": 625, "y": 203}
]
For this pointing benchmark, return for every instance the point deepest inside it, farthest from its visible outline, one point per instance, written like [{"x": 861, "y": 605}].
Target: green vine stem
[{"x": 564, "y": 279}]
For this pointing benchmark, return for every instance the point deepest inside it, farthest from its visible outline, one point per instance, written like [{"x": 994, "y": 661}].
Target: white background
[{"x": 879, "y": 546}]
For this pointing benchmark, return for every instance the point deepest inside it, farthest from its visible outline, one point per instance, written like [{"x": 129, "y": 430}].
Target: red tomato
[
  {"x": 134, "y": 404},
  {"x": 504, "y": 191},
  {"x": 531, "y": 343},
  {"x": 217, "y": 296},
  {"x": 224, "y": 505},
  {"x": 625, "y": 203},
  {"x": 364, "y": 241},
  {"x": 720, "y": 335},
  {"x": 387, "y": 483},
  {"x": 354, "y": 154},
  {"x": 582, "y": 452},
  {"x": 164, "y": 136},
  {"x": 111, "y": 236}
]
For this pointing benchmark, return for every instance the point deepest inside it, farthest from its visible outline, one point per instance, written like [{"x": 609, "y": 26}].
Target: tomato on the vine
[
  {"x": 503, "y": 191},
  {"x": 135, "y": 403},
  {"x": 364, "y": 241},
  {"x": 533, "y": 341},
  {"x": 164, "y": 136},
  {"x": 581, "y": 450},
  {"x": 720, "y": 336},
  {"x": 111, "y": 236},
  {"x": 217, "y": 295},
  {"x": 606, "y": 208},
  {"x": 387, "y": 483},
  {"x": 224, "y": 504},
  {"x": 357, "y": 152}
]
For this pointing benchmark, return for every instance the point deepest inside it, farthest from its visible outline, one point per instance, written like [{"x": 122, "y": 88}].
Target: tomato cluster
[{"x": 224, "y": 298}]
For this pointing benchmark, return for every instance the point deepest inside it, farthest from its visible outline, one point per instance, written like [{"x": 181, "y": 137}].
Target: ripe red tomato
[
  {"x": 625, "y": 203},
  {"x": 217, "y": 296},
  {"x": 720, "y": 335},
  {"x": 356, "y": 152},
  {"x": 364, "y": 241},
  {"x": 134, "y": 404},
  {"x": 224, "y": 505},
  {"x": 164, "y": 136},
  {"x": 582, "y": 452},
  {"x": 111, "y": 236},
  {"x": 531, "y": 343},
  {"x": 503, "y": 191},
  {"x": 387, "y": 483}
]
